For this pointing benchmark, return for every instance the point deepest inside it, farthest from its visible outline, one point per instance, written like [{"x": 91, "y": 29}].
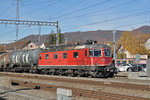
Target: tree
[
  {"x": 121, "y": 55},
  {"x": 52, "y": 38},
  {"x": 2, "y": 49},
  {"x": 133, "y": 43},
  {"x": 61, "y": 37}
]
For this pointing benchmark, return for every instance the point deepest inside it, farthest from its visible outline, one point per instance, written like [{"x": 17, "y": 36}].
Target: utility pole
[
  {"x": 57, "y": 35},
  {"x": 39, "y": 26},
  {"x": 114, "y": 42},
  {"x": 17, "y": 18}
]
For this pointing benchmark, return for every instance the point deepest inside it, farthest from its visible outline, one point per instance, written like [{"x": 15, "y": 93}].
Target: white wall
[{"x": 30, "y": 46}]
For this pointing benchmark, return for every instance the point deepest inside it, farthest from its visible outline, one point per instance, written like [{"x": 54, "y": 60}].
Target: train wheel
[
  {"x": 71, "y": 75},
  {"x": 111, "y": 75},
  {"x": 79, "y": 75},
  {"x": 52, "y": 73},
  {"x": 60, "y": 72},
  {"x": 90, "y": 76}
]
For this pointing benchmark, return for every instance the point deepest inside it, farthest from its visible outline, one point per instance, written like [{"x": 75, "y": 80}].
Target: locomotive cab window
[
  {"x": 107, "y": 52},
  {"x": 75, "y": 55},
  {"x": 46, "y": 56},
  {"x": 55, "y": 56},
  {"x": 90, "y": 52},
  {"x": 97, "y": 53},
  {"x": 64, "y": 55}
]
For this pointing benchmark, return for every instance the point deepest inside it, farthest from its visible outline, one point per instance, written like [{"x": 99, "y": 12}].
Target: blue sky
[{"x": 74, "y": 15}]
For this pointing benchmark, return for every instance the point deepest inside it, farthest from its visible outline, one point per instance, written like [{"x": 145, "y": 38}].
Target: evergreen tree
[
  {"x": 52, "y": 38},
  {"x": 61, "y": 38}
]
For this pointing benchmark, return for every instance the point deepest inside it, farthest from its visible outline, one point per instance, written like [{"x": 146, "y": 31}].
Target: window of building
[
  {"x": 124, "y": 62},
  {"x": 31, "y": 46},
  {"x": 97, "y": 52},
  {"x": 75, "y": 54},
  {"x": 64, "y": 55},
  {"x": 118, "y": 62},
  {"x": 130, "y": 62},
  {"x": 85, "y": 52},
  {"x": 55, "y": 56},
  {"x": 90, "y": 52},
  {"x": 46, "y": 56}
]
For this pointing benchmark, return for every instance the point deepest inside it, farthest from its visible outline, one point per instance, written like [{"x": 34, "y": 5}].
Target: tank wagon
[
  {"x": 4, "y": 61},
  {"x": 92, "y": 60},
  {"x": 24, "y": 61}
]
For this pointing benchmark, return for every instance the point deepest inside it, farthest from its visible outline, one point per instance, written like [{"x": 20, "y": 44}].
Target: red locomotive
[
  {"x": 92, "y": 60},
  {"x": 82, "y": 60}
]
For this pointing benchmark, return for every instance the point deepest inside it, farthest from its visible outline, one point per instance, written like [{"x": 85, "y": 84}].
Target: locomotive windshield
[
  {"x": 97, "y": 52},
  {"x": 107, "y": 52},
  {"x": 90, "y": 52}
]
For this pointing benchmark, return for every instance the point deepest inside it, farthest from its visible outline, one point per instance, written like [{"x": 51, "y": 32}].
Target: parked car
[
  {"x": 144, "y": 67},
  {"x": 124, "y": 67},
  {"x": 137, "y": 68}
]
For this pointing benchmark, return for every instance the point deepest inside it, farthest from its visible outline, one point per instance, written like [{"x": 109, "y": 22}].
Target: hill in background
[{"x": 102, "y": 36}]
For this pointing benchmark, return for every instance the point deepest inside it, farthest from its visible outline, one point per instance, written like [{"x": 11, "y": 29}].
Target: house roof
[{"x": 17, "y": 45}]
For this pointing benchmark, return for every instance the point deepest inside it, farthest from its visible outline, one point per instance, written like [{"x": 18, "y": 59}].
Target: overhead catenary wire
[
  {"x": 24, "y": 1},
  {"x": 142, "y": 22},
  {"x": 117, "y": 18},
  {"x": 72, "y": 6},
  {"x": 85, "y": 8},
  {"x": 118, "y": 5},
  {"x": 41, "y": 8},
  {"x": 6, "y": 10},
  {"x": 10, "y": 14},
  {"x": 37, "y": 2},
  {"x": 3, "y": 12},
  {"x": 62, "y": 10},
  {"x": 113, "y": 19},
  {"x": 102, "y": 10},
  {"x": 9, "y": 31}
]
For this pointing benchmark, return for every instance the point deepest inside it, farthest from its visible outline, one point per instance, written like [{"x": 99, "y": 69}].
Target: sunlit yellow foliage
[
  {"x": 134, "y": 43},
  {"x": 2, "y": 49}
]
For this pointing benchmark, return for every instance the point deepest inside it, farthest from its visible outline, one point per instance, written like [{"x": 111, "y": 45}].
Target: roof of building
[{"x": 17, "y": 45}]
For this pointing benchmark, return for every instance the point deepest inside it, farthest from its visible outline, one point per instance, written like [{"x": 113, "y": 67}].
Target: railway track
[
  {"x": 96, "y": 94},
  {"x": 80, "y": 81},
  {"x": 78, "y": 92}
]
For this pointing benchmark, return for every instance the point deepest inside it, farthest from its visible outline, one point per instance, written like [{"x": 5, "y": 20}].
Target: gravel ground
[
  {"x": 138, "y": 93},
  {"x": 47, "y": 95},
  {"x": 8, "y": 93},
  {"x": 30, "y": 94}
]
